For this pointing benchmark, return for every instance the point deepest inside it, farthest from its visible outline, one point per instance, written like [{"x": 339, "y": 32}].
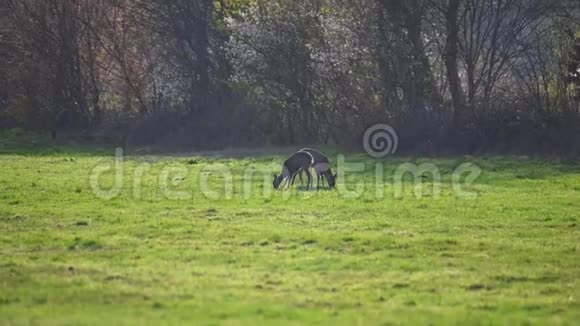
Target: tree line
[{"x": 449, "y": 75}]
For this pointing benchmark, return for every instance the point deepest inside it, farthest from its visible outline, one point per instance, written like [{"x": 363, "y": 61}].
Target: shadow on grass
[{"x": 40, "y": 143}]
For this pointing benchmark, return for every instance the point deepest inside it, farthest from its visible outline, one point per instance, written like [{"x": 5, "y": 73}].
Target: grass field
[{"x": 509, "y": 256}]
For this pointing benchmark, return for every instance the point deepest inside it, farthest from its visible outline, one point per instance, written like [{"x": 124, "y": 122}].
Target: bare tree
[{"x": 451, "y": 56}]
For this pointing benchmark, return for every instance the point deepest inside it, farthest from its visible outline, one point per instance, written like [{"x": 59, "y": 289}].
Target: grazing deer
[
  {"x": 321, "y": 165},
  {"x": 298, "y": 162}
]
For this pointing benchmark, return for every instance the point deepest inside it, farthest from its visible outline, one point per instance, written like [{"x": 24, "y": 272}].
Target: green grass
[{"x": 510, "y": 256}]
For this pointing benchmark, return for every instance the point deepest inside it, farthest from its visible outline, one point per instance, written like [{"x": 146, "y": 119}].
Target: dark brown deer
[
  {"x": 321, "y": 165},
  {"x": 298, "y": 162}
]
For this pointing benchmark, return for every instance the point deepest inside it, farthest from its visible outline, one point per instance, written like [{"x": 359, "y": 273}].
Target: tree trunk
[
  {"x": 203, "y": 48},
  {"x": 451, "y": 58},
  {"x": 388, "y": 71}
]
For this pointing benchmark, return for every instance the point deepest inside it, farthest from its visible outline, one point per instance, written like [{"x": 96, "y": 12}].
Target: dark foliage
[{"x": 467, "y": 76}]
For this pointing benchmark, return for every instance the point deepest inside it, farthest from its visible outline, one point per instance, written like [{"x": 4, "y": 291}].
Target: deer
[
  {"x": 296, "y": 163},
  {"x": 321, "y": 165}
]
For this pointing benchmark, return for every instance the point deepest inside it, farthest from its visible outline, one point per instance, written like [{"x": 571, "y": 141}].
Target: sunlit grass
[{"x": 68, "y": 257}]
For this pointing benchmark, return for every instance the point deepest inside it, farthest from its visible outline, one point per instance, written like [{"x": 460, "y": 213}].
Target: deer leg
[
  {"x": 310, "y": 181},
  {"x": 300, "y": 175},
  {"x": 294, "y": 178}
]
